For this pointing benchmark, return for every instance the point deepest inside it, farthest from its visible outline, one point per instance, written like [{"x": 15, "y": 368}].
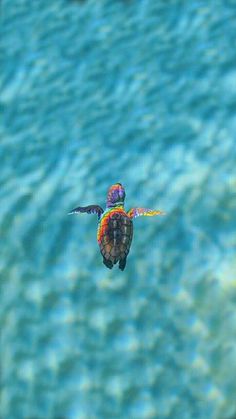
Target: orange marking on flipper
[{"x": 136, "y": 212}]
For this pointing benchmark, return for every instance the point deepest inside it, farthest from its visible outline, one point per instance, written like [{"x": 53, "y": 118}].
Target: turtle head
[{"x": 115, "y": 195}]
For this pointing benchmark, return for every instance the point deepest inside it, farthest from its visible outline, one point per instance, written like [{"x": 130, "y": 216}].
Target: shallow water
[{"x": 143, "y": 93}]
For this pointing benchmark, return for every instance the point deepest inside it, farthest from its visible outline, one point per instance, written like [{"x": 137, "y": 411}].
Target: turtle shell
[{"x": 116, "y": 237}]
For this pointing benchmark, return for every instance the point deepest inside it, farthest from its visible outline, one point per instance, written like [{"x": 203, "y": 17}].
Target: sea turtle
[{"x": 115, "y": 226}]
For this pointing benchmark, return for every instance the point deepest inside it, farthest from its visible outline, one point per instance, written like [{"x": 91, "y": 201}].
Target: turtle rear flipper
[
  {"x": 108, "y": 263},
  {"x": 122, "y": 264}
]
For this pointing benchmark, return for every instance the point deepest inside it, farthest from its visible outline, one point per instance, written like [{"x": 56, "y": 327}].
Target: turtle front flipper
[
  {"x": 136, "y": 212},
  {"x": 90, "y": 209}
]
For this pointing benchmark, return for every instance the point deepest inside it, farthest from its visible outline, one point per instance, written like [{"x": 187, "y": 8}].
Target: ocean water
[{"x": 141, "y": 92}]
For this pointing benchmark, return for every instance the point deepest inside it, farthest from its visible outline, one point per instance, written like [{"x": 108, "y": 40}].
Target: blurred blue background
[{"x": 141, "y": 92}]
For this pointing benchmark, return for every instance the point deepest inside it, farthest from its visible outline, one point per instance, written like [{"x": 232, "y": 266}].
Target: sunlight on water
[{"x": 142, "y": 93}]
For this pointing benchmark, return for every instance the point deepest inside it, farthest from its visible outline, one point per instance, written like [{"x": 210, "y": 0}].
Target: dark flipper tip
[
  {"x": 74, "y": 211},
  {"x": 122, "y": 264},
  {"x": 108, "y": 263}
]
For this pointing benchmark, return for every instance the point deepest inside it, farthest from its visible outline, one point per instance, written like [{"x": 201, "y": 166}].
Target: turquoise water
[{"x": 140, "y": 92}]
